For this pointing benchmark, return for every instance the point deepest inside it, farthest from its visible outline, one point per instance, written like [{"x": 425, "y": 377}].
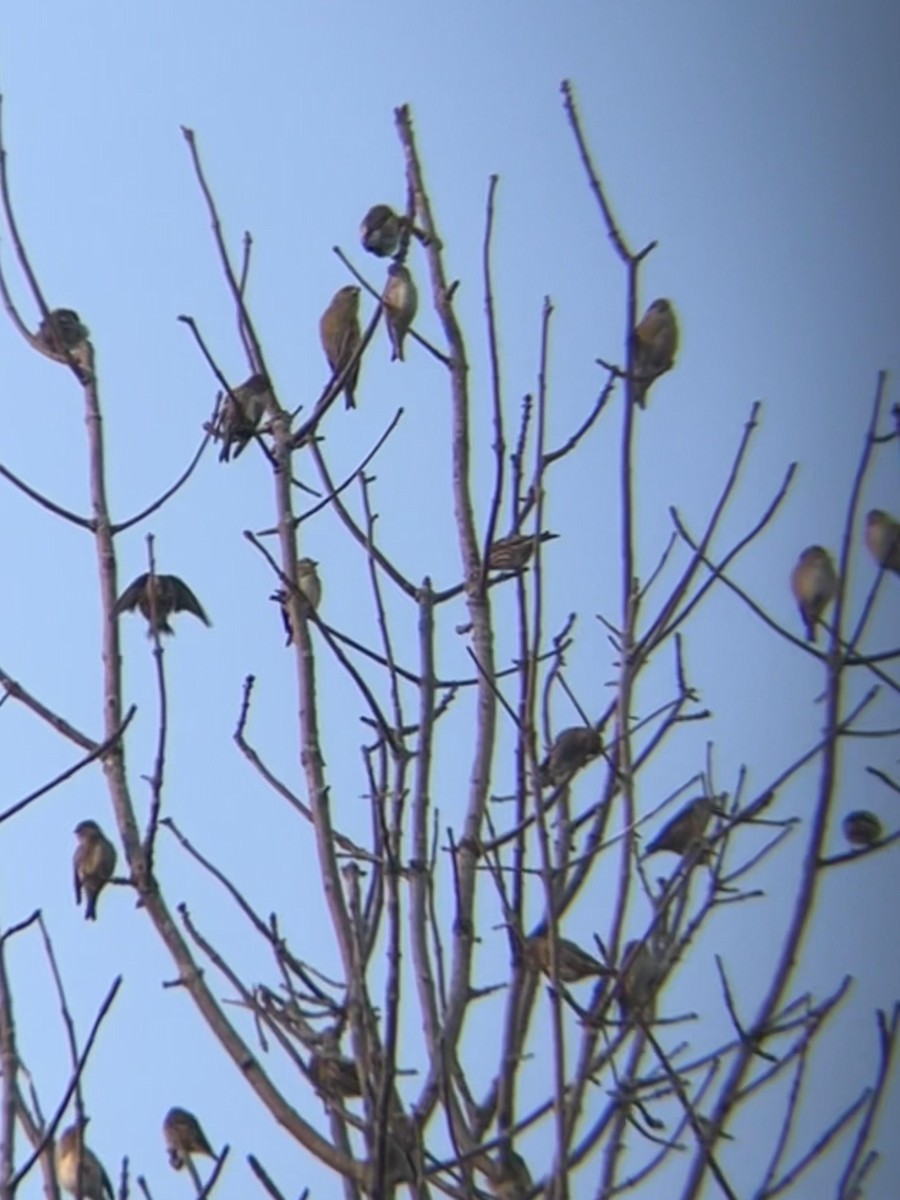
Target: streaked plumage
[
  {"x": 241, "y": 414},
  {"x": 380, "y": 230},
  {"x": 62, "y": 330},
  {"x": 513, "y": 552},
  {"x": 70, "y": 1148},
  {"x": 686, "y": 829},
  {"x": 883, "y": 539},
  {"x": 340, "y": 334},
  {"x": 572, "y": 963},
  {"x": 171, "y": 595},
  {"x": 814, "y": 583},
  {"x": 184, "y": 1137},
  {"x": 654, "y": 342},
  {"x": 570, "y": 751},
  {"x": 334, "y": 1075},
  {"x": 94, "y": 862},
  {"x": 862, "y": 828},
  {"x": 401, "y": 300},
  {"x": 637, "y": 984}
]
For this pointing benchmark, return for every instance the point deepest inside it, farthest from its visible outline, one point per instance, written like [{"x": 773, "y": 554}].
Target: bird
[
  {"x": 570, "y": 751},
  {"x": 637, "y": 984},
  {"x": 94, "y": 862},
  {"x": 513, "y": 552},
  {"x": 242, "y": 412},
  {"x": 184, "y": 1137},
  {"x": 335, "y": 1075},
  {"x": 883, "y": 539},
  {"x": 339, "y": 333},
  {"x": 572, "y": 963},
  {"x": 685, "y": 830},
  {"x": 309, "y": 586},
  {"x": 814, "y": 583},
  {"x": 71, "y": 1152},
  {"x": 62, "y": 330},
  {"x": 157, "y": 597},
  {"x": 654, "y": 343},
  {"x": 380, "y": 230},
  {"x": 400, "y": 300},
  {"x": 862, "y": 828},
  {"x": 509, "y": 1176}
]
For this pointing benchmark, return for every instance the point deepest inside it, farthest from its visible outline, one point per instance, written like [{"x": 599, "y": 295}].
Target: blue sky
[{"x": 756, "y": 143}]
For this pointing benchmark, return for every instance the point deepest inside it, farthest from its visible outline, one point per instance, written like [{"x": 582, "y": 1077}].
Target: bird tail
[
  {"x": 349, "y": 400},
  {"x": 90, "y": 906}
]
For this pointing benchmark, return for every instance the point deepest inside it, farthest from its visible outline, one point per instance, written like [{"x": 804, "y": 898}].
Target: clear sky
[{"x": 757, "y": 143}]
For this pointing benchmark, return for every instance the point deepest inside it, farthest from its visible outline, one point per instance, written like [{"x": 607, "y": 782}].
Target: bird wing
[
  {"x": 184, "y": 600},
  {"x": 130, "y": 598}
]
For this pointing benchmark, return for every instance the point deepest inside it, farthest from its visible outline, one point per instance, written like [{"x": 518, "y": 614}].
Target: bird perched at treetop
[
  {"x": 62, "y": 330},
  {"x": 157, "y": 597},
  {"x": 513, "y": 552},
  {"x": 380, "y": 230},
  {"x": 685, "y": 830},
  {"x": 339, "y": 333},
  {"x": 814, "y": 583},
  {"x": 883, "y": 539},
  {"x": 401, "y": 300},
  {"x": 74, "y": 1158},
  {"x": 862, "y": 828},
  {"x": 242, "y": 412},
  {"x": 94, "y": 862},
  {"x": 654, "y": 344},
  {"x": 184, "y": 1137},
  {"x": 570, "y": 751},
  {"x": 572, "y": 963}
]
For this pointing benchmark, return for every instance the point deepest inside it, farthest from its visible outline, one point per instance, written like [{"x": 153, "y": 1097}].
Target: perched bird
[
  {"x": 62, "y": 330},
  {"x": 339, "y": 333},
  {"x": 570, "y": 751},
  {"x": 572, "y": 963},
  {"x": 335, "y": 1075},
  {"x": 184, "y": 1137},
  {"x": 509, "y": 1176},
  {"x": 862, "y": 828},
  {"x": 686, "y": 829},
  {"x": 157, "y": 597},
  {"x": 94, "y": 862},
  {"x": 637, "y": 984},
  {"x": 242, "y": 412},
  {"x": 654, "y": 343},
  {"x": 69, "y": 1154},
  {"x": 400, "y": 300},
  {"x": 513, "y": 552},
  {"x": 883, "y": 539},
  {"x": 814, "y": 583},
  {"x": 310, "y": 588},
  {"x": 380, "y": 230}
]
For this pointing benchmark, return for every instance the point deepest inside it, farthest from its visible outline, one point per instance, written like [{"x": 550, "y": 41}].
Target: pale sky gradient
[{"x": 757, "y": 143}]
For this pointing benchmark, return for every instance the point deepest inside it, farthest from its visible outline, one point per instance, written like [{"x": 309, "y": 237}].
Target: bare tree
[{"x": 470, "y": 1045}]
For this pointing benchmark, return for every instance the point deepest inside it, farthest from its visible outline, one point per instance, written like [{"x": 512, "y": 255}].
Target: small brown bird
[
  {"x": 570, "y": 751},
  {"x": 241, "y": 414},
  {"x": 157, "y": 598},
  {"x": 70, "y": 1153},
  {"x": 862, "y": 828},
  {"x": 380, "y": 230},
  {"x": 310, "y": 588},
  {"x": 883, "y": 539},
  {"x": 334, "y": 1075},
  {"x": 686, "y": 829},
  {"x": 184, "y": 1137},
  {"x": 62, "y": 330},
  {"x": 572, "y": 963},
  {"x": 94, "y": 862},
  {"x": 513, "y": 552},
  {"x": 637, "y": 985},
  {"x": 401, "y": 300},
  {"x": 509, "y": 1177},
  {"x": 339, "y": 332},
  {"x": 654, "y": 344},
  {"x": 814, "y": 583}
]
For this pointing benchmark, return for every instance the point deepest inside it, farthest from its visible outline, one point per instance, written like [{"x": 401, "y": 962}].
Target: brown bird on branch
[
  {"x": 508, "y": 1175},
  {"x": 513, "y": 552},
  {"x": 62, "y": 330},
  {"x": 310, "y": 587},
  {"x": 94, "y": 862},
  {"x": 570, "y": 751},
  {"x": 73, "y": 1159},
  {"x": 334, "y": 1075},
  {"x": 401, "y": 300},
  {"x": 572, "y": 963},
  {"x": 862, "y": 828},
  {"x": 814, "y": 583},
  {"x": 380, "y": 230},
  {"x": 637, "y": 984},
  {"x": 184, "y": 1137},
  {"x": 242, "y": 412},
  {"x": 654, "y": 344},
  {"x": 157, "y": 597},
  {"x": 883, "y": 539},
  {"x": 686, "y": 829},
  {"x": 339, "y": 332}
]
